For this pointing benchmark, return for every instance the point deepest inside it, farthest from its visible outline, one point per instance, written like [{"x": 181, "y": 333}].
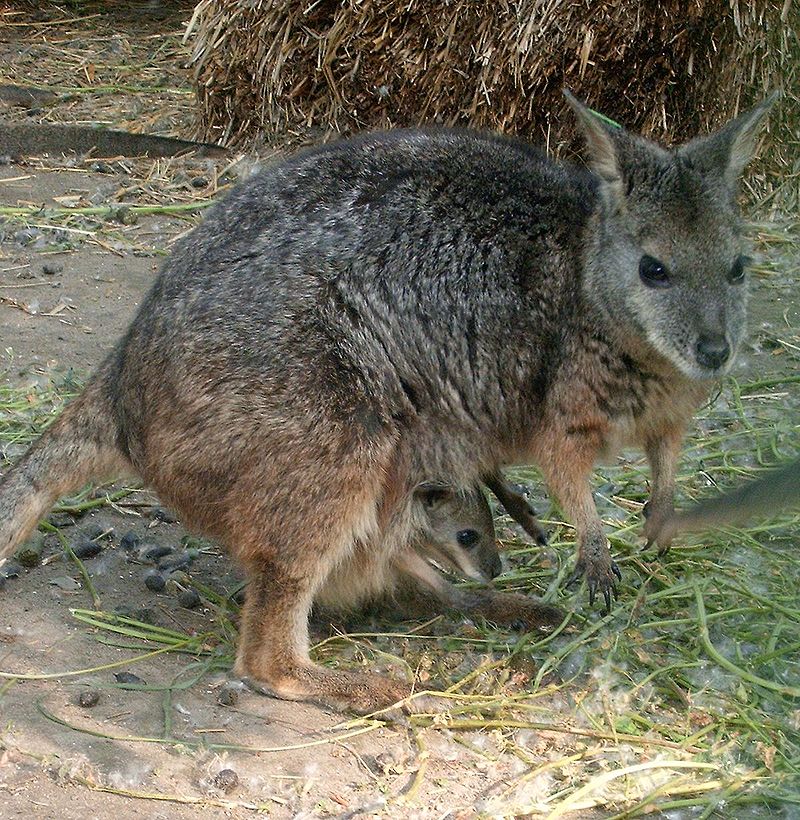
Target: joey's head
[
  {"x": 456, "y": 530},
  {"x": 665, "y": 260}
]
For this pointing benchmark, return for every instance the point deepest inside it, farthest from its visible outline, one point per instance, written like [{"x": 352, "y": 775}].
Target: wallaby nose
[{"x": 712, "y": 351}]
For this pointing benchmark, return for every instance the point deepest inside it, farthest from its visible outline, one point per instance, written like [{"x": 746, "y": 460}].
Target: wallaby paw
[
  {"x": 656, "y": 526},
  {"x": 600, "y": 577},
  {"x": 663, "y": 541}
]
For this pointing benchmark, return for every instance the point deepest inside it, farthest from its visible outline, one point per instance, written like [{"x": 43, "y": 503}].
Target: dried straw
[{"x": 669, "y": 69}]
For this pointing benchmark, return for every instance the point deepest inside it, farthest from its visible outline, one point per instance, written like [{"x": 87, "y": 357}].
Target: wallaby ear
[
  {"x": 726, "y": 152},
  {"x": 433, "y": 493},
  {"x": 602, "y": 150}
]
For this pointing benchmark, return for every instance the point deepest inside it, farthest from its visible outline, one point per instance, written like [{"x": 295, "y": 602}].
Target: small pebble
[
  {"x": 5, "y": 159},
  {"x": 26, "y": 236},
  {"x": 95, "y": 530},
  {"x": 188, "y": 599},
  {"x": 160, "y": 514},
  {"x": 172, "y": 562},
  {"x": 152, "y": 552},
  {"x": 89, "y": 699},
  {"x": 199, "y": 182},
  {"x": 128, "y": 677},
  {"x": 86, "y": 548},
  {"x": 30, "y": 553},
  {"x": 228, "y": 696},
  {"x": 392, "y": 761},
  {"x": 225, "y": 780},
  {"x": 52, "y": 268},
  {"x": 65, "y": 583},
  {"x": 61, "y": 520},
  {"x": 124, "y": 215},
  {"x": 154, "y": 581},
  {"x": 129, "y": 541},
  {"x": 143, "y": 615},
  {"x": 101, "y": 168},
  {"x": 11, "y": 569}
]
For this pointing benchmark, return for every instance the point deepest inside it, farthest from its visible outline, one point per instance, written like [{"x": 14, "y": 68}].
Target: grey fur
[{"x": 407, "y": 306}]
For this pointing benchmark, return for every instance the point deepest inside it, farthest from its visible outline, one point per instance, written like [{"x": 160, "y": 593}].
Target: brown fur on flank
[{"x": 405, "y": 307}]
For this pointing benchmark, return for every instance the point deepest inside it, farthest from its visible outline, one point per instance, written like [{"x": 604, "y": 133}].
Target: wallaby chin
[{"x": 696, "y": 372}]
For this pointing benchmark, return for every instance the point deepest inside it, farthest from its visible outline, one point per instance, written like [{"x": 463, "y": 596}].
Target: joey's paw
[
  {"x": 522, "y": 613},
  {"x": 663, "y": 541},
  {"x": 600, "y": 577},
  {"x": 530, "y": 523},
  {"x": 536, "y": 616}
]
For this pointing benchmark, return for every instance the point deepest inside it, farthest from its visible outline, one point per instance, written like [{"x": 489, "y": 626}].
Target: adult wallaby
[{"x": 402, "y": 306}]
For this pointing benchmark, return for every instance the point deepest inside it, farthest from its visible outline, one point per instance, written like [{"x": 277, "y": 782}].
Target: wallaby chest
[{"x": 602, "y": 400}]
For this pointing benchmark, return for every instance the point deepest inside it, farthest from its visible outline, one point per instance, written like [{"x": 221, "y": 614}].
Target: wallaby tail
[
  {"x": 771, "y": 493},
  {"x": 79, "y": 446}
]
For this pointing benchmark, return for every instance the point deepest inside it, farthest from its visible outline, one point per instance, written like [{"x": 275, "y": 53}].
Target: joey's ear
[
  {"x": 726, "y": 152},
  {"x": 433, "y": 493},
  {"x": 601, "y": 146}
]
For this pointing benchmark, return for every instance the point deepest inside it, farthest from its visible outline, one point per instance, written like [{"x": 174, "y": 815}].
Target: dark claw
[
  {"x": 662, "y": 551},
  {"x": 541, "y": 539},
  {"x": 519, "y": 626},
  {"x": 646, "y": 509},
  {"x": 592, "y": 590},
  {"x": 577, "y": 574},
  {"x": 615, "y": 570},
  {"x": 607, "y": 597},
  {"x": 647, "y": 545}
]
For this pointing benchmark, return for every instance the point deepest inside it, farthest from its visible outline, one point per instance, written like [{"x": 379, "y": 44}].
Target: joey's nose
[{"x": 712, "y": 351}]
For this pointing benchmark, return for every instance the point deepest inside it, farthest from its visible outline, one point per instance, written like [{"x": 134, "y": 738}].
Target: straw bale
[{"x": 669, "y": 69}]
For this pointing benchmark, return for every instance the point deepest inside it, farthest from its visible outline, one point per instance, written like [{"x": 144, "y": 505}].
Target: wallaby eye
[
  {"x": 467, "y": 538},
  {"x": 653, "y": 273},
  {"x": 736, "y": 273}
]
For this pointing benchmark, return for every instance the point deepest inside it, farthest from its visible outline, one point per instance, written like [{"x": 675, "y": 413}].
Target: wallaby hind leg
[
  {"x": 273, "y": 645},
  {"x": 292, "y": 544},
  {"x": 80, "y": 446}
]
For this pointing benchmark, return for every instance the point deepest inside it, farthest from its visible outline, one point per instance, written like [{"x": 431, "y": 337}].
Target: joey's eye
[
  {"x": 736, "y": 273},
  {"x": 653, "y": 273},
  {"x": 467, "y": 538}
]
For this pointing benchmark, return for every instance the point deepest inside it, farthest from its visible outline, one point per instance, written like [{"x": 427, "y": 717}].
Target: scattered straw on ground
[{"x": 685, "y": 697}]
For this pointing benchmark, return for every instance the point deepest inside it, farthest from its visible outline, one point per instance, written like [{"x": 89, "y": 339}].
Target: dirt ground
[{"x": 155, "y": 747}]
